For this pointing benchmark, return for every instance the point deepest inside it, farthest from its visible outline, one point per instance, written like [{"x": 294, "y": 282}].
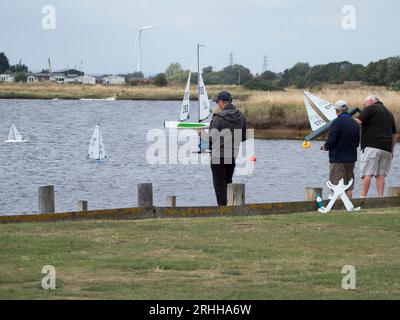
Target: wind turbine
[{"x": 139, "y": 41}]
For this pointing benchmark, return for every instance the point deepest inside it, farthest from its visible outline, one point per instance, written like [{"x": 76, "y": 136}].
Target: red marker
[{"x": 253, "y": 159}]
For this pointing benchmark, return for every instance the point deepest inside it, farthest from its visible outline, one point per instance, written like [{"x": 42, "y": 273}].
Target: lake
[{"x": 59, "y": 132}]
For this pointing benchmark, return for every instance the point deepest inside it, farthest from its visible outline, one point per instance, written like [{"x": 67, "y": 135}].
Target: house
[
  {"x": 38, "y": 77},
  {"x": 6, "y": 78},
  {"x": 85, "y": 80},
  {"x": 65, "y": 75},
  {"x": 112, "y": 80},
  {"x": 69, "y": 73},
  {"x": 31, "y": 78},
  {"x": 58, "y": 78}
]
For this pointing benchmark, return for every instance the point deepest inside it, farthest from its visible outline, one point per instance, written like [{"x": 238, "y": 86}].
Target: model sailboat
[
  {"x": 320, "y": 124},
  {"x": 204, "y": 105},
  {"x": 96, "y": 147},
  {"x": 14, "y": 135}
]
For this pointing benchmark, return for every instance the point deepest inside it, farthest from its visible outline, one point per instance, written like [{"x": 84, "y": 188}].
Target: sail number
[{"x": 318, "y": 123}]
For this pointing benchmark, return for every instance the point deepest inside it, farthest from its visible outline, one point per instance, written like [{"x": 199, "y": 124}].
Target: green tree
[
  {"x": 268, "y": 76},
  {"x": 21, "y": 76},
  {"x": 207, "y": 70},
  {"x": 176, "y": 73},
  {"x": 393, "y": 74},
  {"x": 213, "y": 78},
  {"x": 4, "y": 63},
  {"x": 19, "y": 67},
  {"x": 296, "y": 75},
  {"x": 136, "y": 75},
  {"x": 376, "y": 72},
  {"x": 236, "y": 74},
  {"x": 160, "y": 80}
]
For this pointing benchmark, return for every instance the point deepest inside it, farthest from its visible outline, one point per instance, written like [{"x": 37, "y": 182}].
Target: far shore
[{"x": 273, "y": 114}]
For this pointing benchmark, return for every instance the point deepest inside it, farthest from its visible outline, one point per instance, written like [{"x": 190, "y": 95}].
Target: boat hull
[{"x": 186, "y": 125}]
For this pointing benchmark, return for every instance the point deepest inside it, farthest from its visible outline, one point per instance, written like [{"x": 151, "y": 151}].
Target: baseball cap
[
  {"x": 340, "y": 105},
  {"x": 223, "y": 96}
]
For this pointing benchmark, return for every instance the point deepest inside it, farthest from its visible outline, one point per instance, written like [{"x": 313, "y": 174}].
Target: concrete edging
[{"x": 193, "y": 212}]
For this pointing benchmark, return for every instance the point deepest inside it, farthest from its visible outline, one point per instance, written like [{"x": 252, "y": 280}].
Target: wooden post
[
  {"x": 82, "y": 205},
  {"x": 236, "y": 194},
  {"x": 145, "y": 195},
  {"x": 171, "y": 201},
  {"x": 394, "y": 191},
  {"x": 46, "y": 199},
  {"x": 311, "y": 193}
]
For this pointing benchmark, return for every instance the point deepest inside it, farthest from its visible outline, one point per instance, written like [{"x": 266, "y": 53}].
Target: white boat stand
[{"x": 339, "y": 191}]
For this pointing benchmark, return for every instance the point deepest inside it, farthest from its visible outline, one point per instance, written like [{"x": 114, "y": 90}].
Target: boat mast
[
  {"x": 13, "y": 130},
  {"x": 198, "y": 74},
  {"x": 98, "y": 141}
]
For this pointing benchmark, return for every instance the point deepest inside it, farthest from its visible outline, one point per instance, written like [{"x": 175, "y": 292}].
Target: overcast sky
[{"x": 100, "y": 33}]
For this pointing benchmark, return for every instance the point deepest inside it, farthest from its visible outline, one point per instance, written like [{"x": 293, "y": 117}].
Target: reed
[{"x": 285, "y": 109}]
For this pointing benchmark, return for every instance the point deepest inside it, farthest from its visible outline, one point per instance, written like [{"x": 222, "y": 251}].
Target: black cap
[{"x": 223, "y": 96}]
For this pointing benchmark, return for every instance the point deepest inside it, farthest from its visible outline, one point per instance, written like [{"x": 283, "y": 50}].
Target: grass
[
  {"x": 47, "y": 90},
  {"x": 277, "y": 114},
  {"x": 285, "y": 110},
  {"x": 266, "y": 257}
]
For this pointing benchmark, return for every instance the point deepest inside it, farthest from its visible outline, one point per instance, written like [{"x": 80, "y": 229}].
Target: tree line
[{"x": 385, "y": 72}]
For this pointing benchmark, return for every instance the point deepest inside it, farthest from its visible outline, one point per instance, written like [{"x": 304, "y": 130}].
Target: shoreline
[
  {"x": 283, "y": 134},
  {"x": 275, "y": 115}
]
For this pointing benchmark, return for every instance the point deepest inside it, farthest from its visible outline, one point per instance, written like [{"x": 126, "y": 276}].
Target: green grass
[{"x": 272, "y": 257}]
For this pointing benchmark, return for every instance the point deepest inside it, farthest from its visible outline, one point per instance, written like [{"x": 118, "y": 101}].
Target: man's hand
[
  {"x": 358, "y": 121},
  {"x": 323, "y": 148}
]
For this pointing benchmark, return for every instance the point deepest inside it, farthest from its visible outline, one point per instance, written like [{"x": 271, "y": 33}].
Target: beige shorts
[
  {"x": 339, "y": 171},
  {"x": 375, "y": 162}
]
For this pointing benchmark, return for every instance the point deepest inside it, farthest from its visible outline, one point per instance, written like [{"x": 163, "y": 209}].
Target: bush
[
  {"x": 20, "y": 77},
  {"x": 160, "y": 80},
  {"x": 395, "y": 85},
  {"x": 264, "y": 85}
]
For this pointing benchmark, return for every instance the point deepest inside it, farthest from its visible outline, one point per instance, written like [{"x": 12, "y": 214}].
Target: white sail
[
  {"x": 327, "y": 108},
  {"x": 14, "y": 135},
  {"x": 185, "y": 108},
  {"x": 205, "y": 107},
  {"x": 96, "y": 147},
  {"x": 316, "y": 121}
]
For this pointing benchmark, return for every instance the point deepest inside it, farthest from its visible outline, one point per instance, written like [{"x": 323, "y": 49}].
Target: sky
[{"x": 102, "y": 33}]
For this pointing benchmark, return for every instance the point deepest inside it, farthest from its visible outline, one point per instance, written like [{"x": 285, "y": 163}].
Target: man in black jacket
[
  {"x": 342, "y": 144},
  {"x": 378, "y": 140},
  {"x": 227, "y": 131}
]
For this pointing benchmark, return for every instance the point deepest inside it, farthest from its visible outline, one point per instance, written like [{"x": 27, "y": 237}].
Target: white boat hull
[
  {"x": 186, "y": 125},
  {"x": 16, "y": 141}
]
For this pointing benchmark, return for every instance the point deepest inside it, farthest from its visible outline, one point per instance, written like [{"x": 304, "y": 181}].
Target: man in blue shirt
[{"x": 342, "y": 144}]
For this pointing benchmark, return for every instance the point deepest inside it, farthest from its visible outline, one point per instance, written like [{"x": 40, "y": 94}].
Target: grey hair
[{"x": 372, "y": 98}]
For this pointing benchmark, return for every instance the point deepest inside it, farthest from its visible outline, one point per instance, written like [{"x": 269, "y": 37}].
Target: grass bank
[
  {"x": 272, "y": 257},
  {"x": 285, "y": 110},
  {"x": 47, "y": 90}
]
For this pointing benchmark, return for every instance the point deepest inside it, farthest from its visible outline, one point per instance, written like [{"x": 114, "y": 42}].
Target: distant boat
[
  {"x": 105, "y": 99},
  {"x": 14, "y": 135},
  {"x": 96, "y": 147}
]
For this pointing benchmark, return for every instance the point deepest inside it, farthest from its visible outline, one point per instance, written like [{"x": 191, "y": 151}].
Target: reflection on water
[{"x": 59, "y": 133}]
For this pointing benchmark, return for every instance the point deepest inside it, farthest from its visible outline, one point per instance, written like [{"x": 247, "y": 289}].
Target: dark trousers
[{"x": 222, "y": 176}]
